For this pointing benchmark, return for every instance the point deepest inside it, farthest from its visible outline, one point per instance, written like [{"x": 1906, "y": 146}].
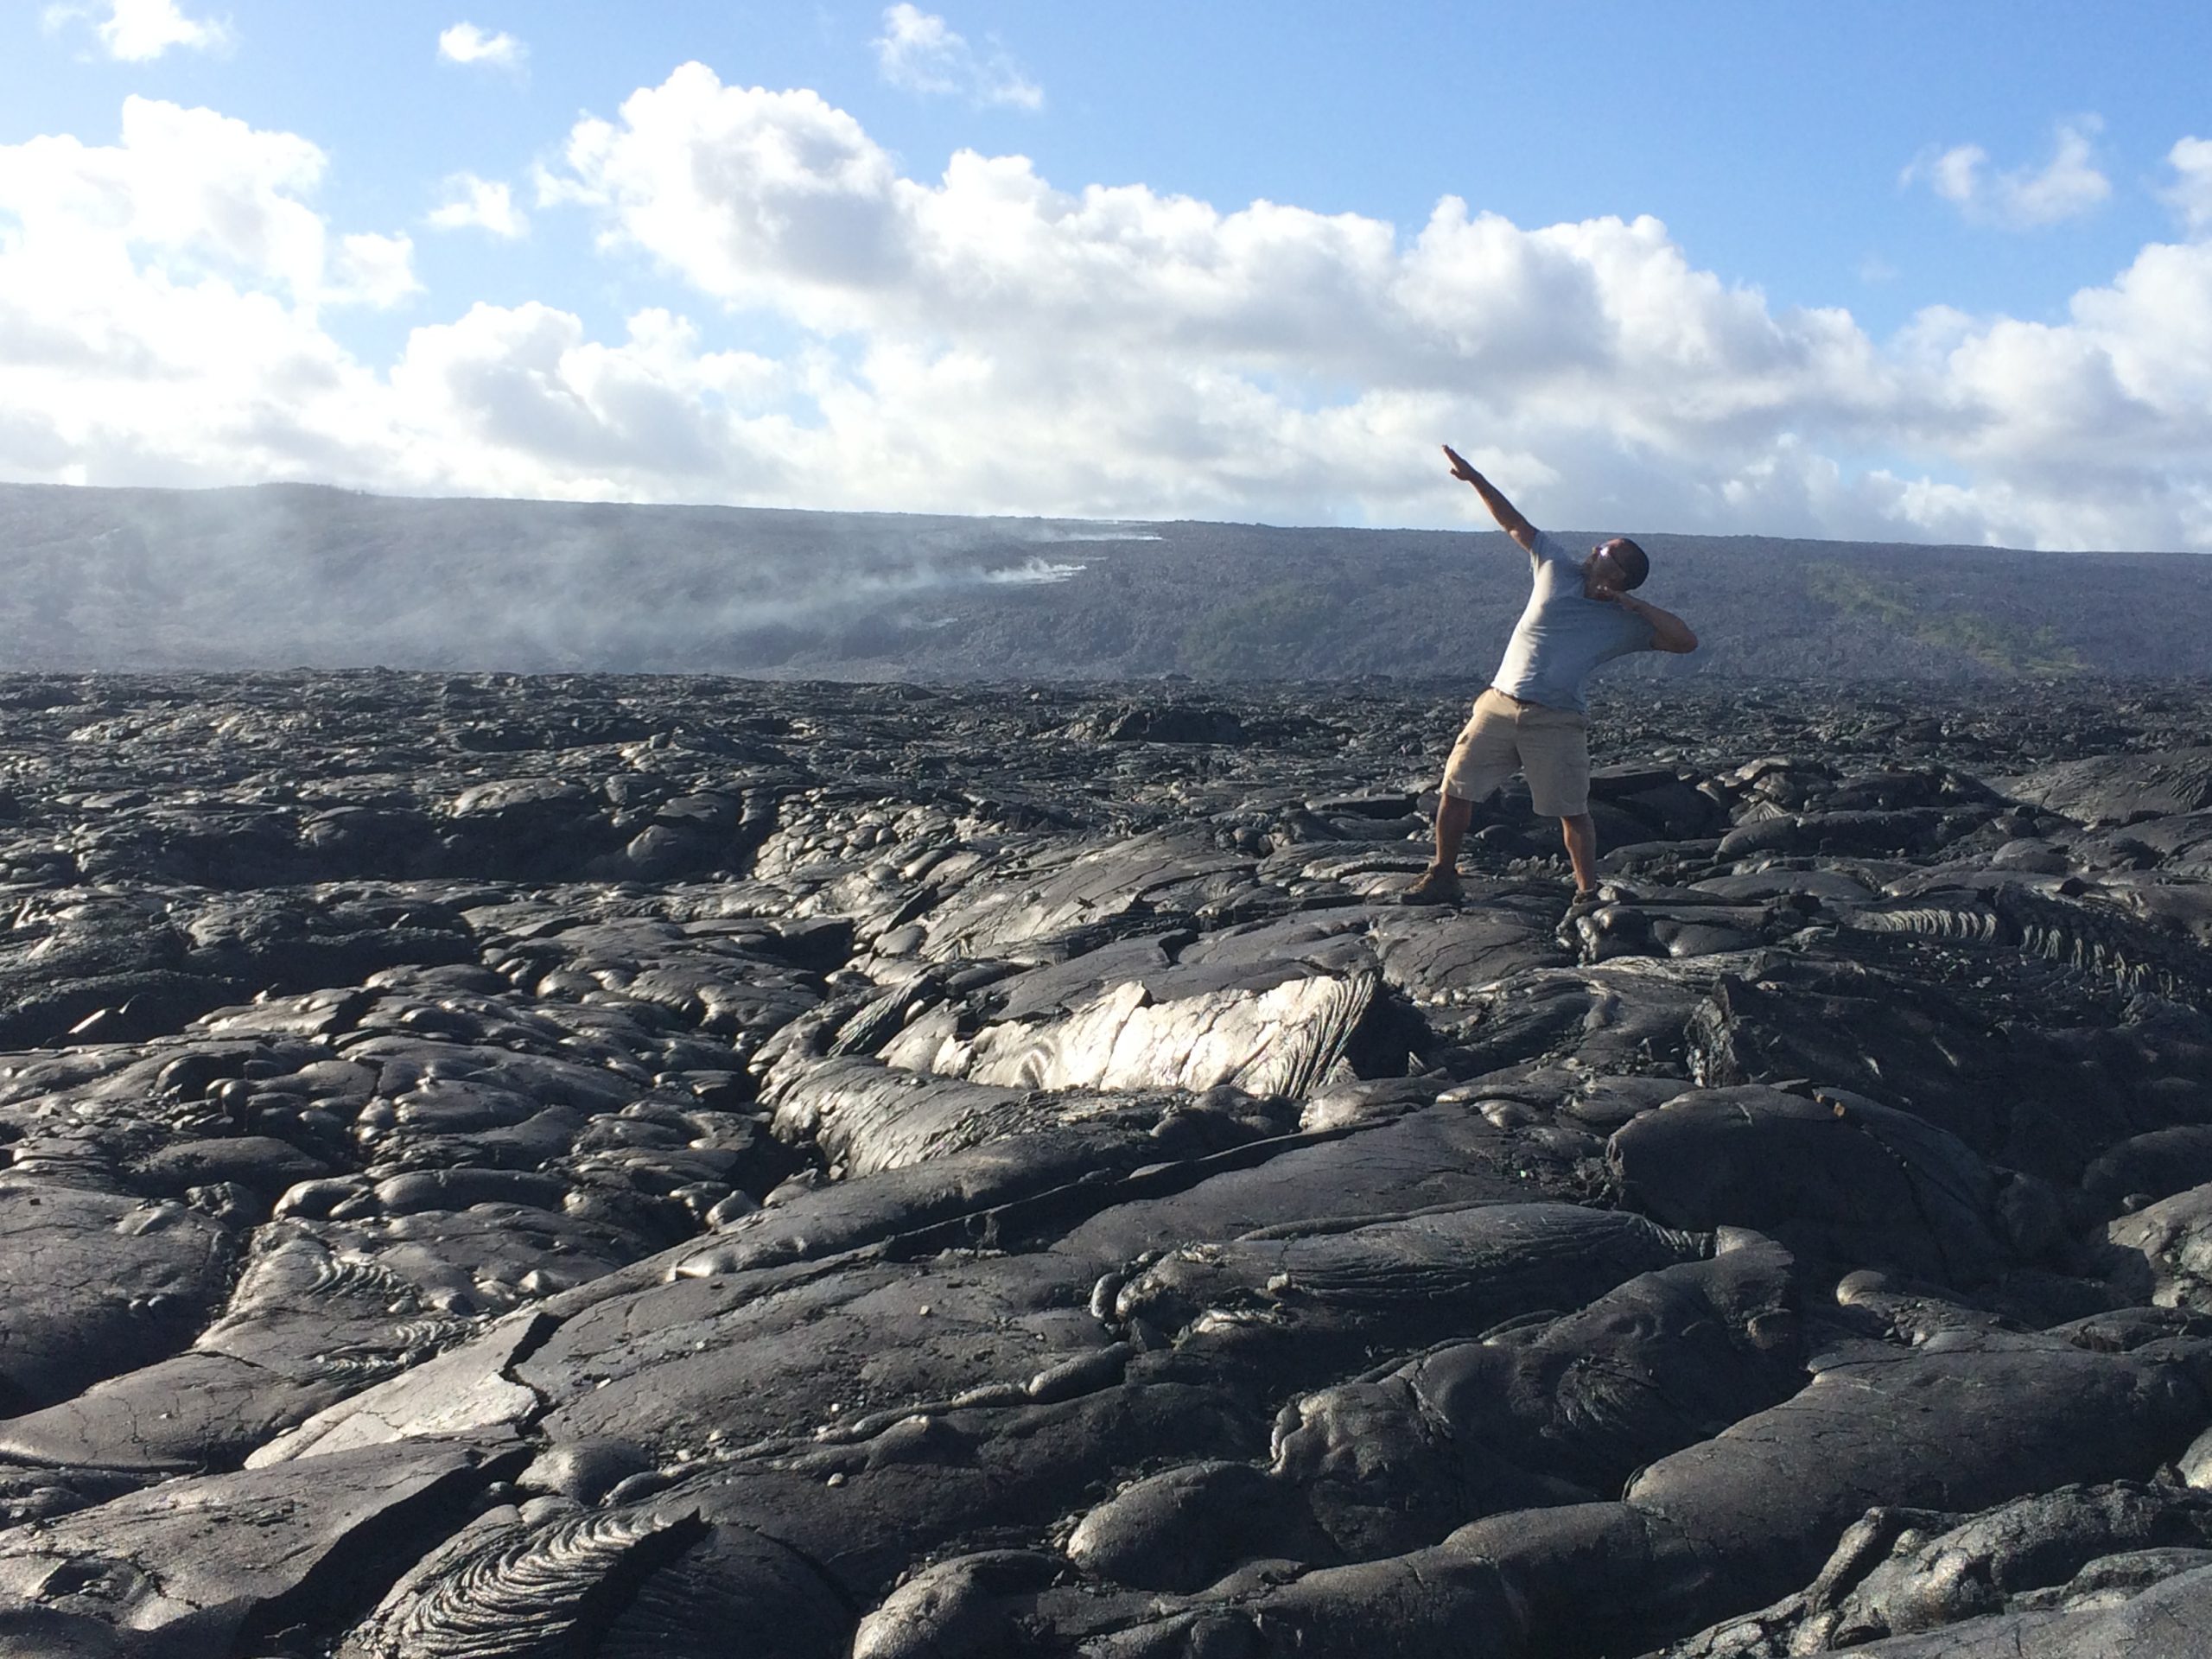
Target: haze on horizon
[{"x": 1880, "y": 275}]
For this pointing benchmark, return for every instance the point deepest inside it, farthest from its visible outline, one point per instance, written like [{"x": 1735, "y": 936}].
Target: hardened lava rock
[{"x": 587, "y": 1165}]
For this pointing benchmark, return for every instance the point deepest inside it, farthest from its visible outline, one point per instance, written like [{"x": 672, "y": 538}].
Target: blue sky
[{"x": 1939, "y": 274}]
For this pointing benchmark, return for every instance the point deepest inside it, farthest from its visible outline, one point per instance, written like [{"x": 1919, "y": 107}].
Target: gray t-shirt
[{"x": 1562, "y": 635}]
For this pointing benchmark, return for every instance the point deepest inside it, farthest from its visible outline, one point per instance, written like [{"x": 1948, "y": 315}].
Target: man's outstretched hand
[{"x": 1500, "y": 509}]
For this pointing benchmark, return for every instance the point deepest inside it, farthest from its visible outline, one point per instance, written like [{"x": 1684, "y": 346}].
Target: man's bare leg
[
  {"x": 1440, "y": 883},
  {"x": 1580, "y": 833},
  {"x": 1452, "y": 817}
]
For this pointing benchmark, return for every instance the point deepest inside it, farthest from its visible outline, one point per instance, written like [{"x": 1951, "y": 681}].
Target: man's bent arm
[
  {"x": 1668, "y": 632},
  {"x": 1509, "y": 518}
]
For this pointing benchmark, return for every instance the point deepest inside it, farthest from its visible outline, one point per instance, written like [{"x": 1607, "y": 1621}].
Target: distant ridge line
[{"x": 319, "y": 576}]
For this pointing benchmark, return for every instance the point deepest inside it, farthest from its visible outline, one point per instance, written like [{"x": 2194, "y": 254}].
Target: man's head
[{"x": 1618, "y": 563}]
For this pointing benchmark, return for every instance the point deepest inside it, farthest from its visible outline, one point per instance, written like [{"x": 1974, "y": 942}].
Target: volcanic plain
[{"x": 629, "y": 1165}]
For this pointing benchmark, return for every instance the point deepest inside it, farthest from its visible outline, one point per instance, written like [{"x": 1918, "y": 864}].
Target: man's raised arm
[{"x": 1509, "y": 518}]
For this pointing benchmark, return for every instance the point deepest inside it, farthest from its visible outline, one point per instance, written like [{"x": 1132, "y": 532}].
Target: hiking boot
[{"x": 1432, "y": 886}]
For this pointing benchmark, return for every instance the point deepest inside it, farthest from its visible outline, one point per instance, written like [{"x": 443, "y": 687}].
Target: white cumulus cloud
[
  {"x": 189, "y": 192},
  {"x": 2190, "y": 195},
  {"x": 1165, "y": 355},
  {"x": 480, "y": 204},
  {"x": 986, "y": 341},
  {"x": 136, "y": 31},
  {"x": 368, "y": 269},
  {"x": 920, "y": 51},
  {"x": 2067, "y": 185},
  {"x": 164, "y": 303},
  {"x": 1112, "y": 350},
  {"x": 466, "y": 43},
  {"x": 526, "y": 405}
]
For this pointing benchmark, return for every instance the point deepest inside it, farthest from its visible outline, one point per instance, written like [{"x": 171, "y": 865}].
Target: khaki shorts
[{"x": 1549, "y": 746}]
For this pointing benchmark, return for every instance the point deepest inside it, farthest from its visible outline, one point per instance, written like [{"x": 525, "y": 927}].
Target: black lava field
[{"x": 665, "y": 1168}]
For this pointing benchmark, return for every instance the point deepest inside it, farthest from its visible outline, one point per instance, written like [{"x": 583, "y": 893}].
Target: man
[{"x": 1531, "y": 719}]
